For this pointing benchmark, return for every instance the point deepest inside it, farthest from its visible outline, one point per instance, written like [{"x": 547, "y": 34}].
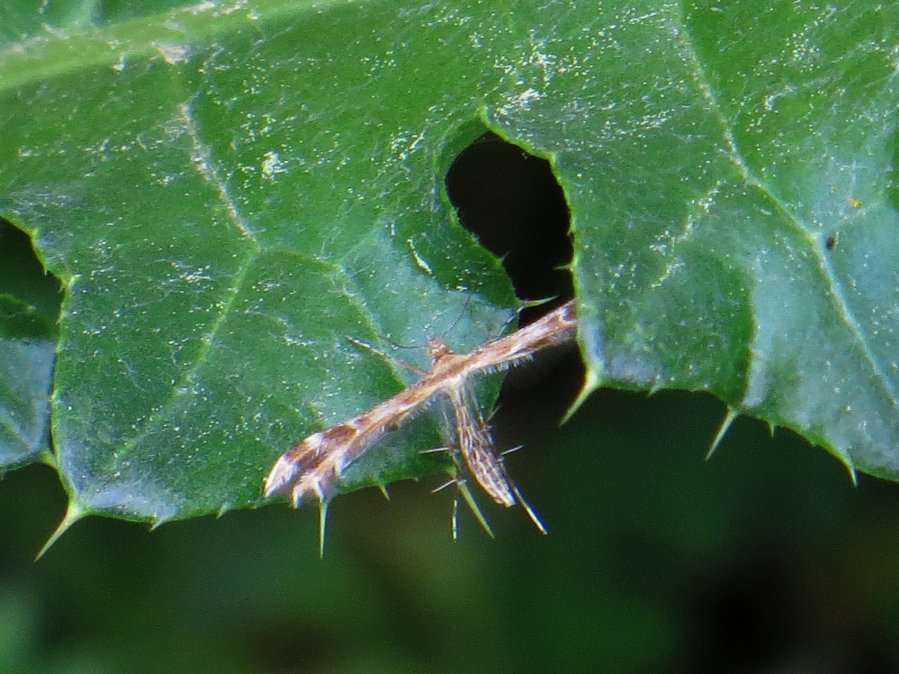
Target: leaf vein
[{"x": 835, "y": 288}]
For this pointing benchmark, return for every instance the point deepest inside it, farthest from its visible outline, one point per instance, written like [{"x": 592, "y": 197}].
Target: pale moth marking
[{"x": 313, "y": 464}]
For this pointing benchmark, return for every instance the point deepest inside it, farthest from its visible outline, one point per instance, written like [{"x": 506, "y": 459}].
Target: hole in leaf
[
  {"x": 30, "y": 298},
  {"x": 512, "y": 202}
]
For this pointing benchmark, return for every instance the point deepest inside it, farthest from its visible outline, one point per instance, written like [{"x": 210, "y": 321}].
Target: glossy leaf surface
[{"x": 228, "y": 192}]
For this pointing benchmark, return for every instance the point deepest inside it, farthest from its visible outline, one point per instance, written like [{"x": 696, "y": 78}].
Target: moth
[{"x": 312, "y": 466}]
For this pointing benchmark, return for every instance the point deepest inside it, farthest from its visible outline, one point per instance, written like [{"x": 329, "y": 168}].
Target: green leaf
[
  {"x": 29, "y": 303},
  {"x": 218, "y": 249},
  {"x": 228, "y": 192},
  {"x": 761, "y": 263}
]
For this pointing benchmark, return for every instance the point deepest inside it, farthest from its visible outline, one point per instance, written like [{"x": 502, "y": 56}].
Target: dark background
[{"x": 765, "y": 558}]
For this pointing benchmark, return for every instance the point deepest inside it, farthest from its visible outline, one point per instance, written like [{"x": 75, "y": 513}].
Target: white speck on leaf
[
  {"x": 173, "y": 54},
  {"x": 272, "y": 165}
]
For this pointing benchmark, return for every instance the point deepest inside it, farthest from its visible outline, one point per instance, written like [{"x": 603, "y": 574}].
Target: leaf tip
[
  {"x": 74, "y": 512},
  {"x": 849, "y": 465},
  {"x": 722, "y": 431},
  {"x": 592, "y": 382},
  {"x": 158, "y": 522}
]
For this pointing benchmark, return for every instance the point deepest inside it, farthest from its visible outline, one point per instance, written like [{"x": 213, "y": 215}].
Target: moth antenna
[
  {"x": 459, "y": 316},
  {"x": 530, "y": 304},
  {"x": 386, "y": 356},
  {"x": 535, "y": 518}
]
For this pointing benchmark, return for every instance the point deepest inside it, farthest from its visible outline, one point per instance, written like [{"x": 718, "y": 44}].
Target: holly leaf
[{"x": 229, "y": 192}]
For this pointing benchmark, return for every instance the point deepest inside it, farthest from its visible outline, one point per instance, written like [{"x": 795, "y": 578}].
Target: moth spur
[
  {"x": 474, "y": 444},
  {"x": 313, "y": 465}
]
